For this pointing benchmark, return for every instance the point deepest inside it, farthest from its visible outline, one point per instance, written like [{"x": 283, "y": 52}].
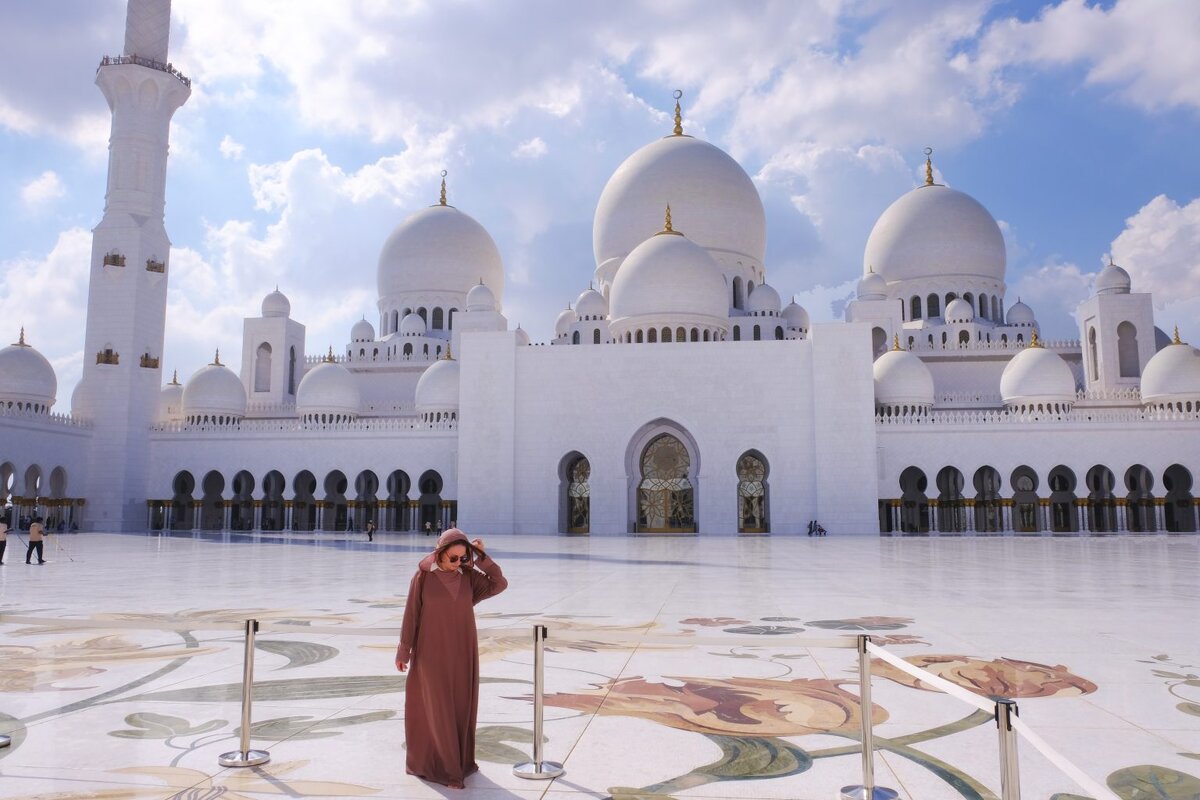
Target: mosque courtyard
[{"x": 674, "y": 666}]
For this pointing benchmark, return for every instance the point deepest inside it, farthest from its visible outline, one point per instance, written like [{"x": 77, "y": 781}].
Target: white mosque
[{"x": 933, "y": 407}]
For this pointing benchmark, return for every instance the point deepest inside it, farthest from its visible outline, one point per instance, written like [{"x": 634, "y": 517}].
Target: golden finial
[
  {"x": 895, "y": 341},
  {"x": 928, "y": 166},
  {"x": 678, "y": 114},
  {"x": 174, "y": 377},
  {"x": 1033, "y": 340},
  {"x": 667, "y": 229},
  {"x": 1177, "y": 340},
  {"x": 442, "y": 199},
  {"x": 329, "y": 359},
  {"x": 217, "y": 359},
  {"x": 449, "y": 355},
  {"x": 21, "y": 340}
]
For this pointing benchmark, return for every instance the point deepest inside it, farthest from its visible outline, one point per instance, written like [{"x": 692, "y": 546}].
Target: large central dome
[
  {"x": 932, "y": 232},
  {"x": 439, "y": 249},
  {"x": 711, "y": 197}
]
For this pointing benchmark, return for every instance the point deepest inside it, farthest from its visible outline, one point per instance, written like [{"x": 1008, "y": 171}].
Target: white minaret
[{"x": 127, "y": 290}]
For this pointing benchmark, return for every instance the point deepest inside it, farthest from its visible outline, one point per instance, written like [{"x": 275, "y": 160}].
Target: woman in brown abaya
[{"x": 439, "y": 642}]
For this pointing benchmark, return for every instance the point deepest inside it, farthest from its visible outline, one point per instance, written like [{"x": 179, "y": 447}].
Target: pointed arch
[{"x": 662, "y": 464}]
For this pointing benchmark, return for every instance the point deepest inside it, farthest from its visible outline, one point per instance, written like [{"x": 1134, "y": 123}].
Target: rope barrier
[
  {"x": 1092, "y": 787},
  {"x": 937, "y": 681}
]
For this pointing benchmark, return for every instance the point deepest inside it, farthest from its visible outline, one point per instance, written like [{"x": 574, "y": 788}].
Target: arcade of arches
[
  {"x": 33, "y": 492},
  {"x": 334, "y": 503},
  {"x": 1055, "y": 502}
]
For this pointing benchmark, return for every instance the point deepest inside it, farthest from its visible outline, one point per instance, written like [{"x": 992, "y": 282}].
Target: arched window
[
  {"x": 262, "y": 368},
  {"x": 737, "y": 292},
  {"x": 576, "y": 501},
  {"x": 1093, "y": 362},
  {"x": 752, "y": 494},
  {"x": 666, "y": 334},
  {"x": 575, "y": 337},
  {"x": 779, "y": 333},
  {"x": 292, "y": 370},
  {"x": 437, "y": 319},
  {"x": 878, "y": 341},
  {"x": 422, "y": 314},
  {"x": 695, "y": 334},
  {"x": 737, "y": 333},
  {"x": 984, "y": 311},
  {"x": 639, "y": 337},
  {"x": 757, "y": 333},
  {"x": 970, "y": 298},
  {"x": 450, "y": 318},
  {"x": 1127, "y": 350},
  {"x": 652, "y": 335},
  {"x": 666, "y": 499},
  {"x": 932, "y": 307},
  {"x": 395, "y": 321},
  {"x": 407, "y": 349},
  {"x": 680, "y": 335},
  {"x": 915, "y": 305},
  {"x": 964, "y": 338},
  {"x": 996, "y": 315},
  {"x": 596, "y": 336}
]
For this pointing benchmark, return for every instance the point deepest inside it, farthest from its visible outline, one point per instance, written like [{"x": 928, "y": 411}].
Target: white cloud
[
  {"x": 231, "y": 149},
  {"x": 42, "y": 190},
  {"x": 1054, "y": 291},
  {"x": 1145, "y": 49},
  {"x": 531, "y": 149},
  {"x": 1160, "y": 249}
]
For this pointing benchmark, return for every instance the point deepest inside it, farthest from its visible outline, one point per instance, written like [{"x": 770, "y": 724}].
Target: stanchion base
[
  {"x": 860, "y": 793},
  {"x": 534, "y": 771},
  {"x": 5, "y": 741},
  {"x": 244, "y": 758}
]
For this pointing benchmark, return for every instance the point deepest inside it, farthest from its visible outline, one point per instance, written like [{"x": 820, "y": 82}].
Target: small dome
[
  {"x": 902, "y": 381},
  {"x": 933, "y": 232},
  {"x": 480, "y": 298},
  {"x": 1172, "y": 375},
  {"x": 1112, "y": 280},
  {"x": 763, "y": 300},
  {"x": 795, "y": 317},
  {"x": 328, "y": 389},
  {"x": 82, "y": 400},
  {"x": 1037, "y": 377},
  {"x": 214, "y": 391},
  {"x": 1021, "y": 314},
  {"x": 872, "y": 286},
  {"x": 276, "y": 304},
  {"x": 437, "y": 390},
  {"x": 412, "y": 325},
  {"x": 562, "y": 324},
  {"x": 670, "y": 275},
  {"x": 591, "y": 304},
  {"x": 959, "y": 310},
  {"x": 26, "y": 377},
  {"x": 362, "y": 331},
  {"x": 710, "y": 194},
  {"x": 522, "y": 336},
  {"x": 439, "y": 249},
  {"x": 170, "y": 401}
]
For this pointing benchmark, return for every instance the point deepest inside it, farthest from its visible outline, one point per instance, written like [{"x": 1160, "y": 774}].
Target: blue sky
[{"x": 314, "y": 128}]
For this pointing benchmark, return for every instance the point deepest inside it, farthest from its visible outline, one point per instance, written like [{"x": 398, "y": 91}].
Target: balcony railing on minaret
[{"x": 145, "y": 62}]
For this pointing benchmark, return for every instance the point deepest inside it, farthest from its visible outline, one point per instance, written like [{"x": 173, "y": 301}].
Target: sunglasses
[{"x": 456, "y": 559}]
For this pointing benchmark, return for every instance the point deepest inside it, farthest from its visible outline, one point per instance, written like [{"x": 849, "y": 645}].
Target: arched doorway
[
  {"x": 430, "y": 501},
  {"x": 272, "y": 502},
  {"x": 241, "y": 516},
  {"x": 333, "y": 516},
  {"x": 304, "y": 502},
  {"x": 914, "y": 505},
  {"x": 575, "y": 493},
  {"x": 182, "y": 508},
  {"x": 1139, "y": 507},
  {"x": 752, "y": 493},
  {"x": 666, "y": 500},
  {"x": 1024, "y": 483},
  {"x": 1102, "y": 503},
  {"x": 57, "y": 518},
  {"x": 366, "y": 503},
  {"x": 952, "y": 506},
  {"x": 1180, "y": 511},
  {"x": 1063, "y": 516},
  {"x": 398, "y": 517},
  {"x": 33, "y": 494},
  {"x": 212, "y": 504},
  {"x": 989, "y": 517}
]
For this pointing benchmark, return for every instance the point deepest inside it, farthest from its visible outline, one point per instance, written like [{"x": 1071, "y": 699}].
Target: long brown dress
[{"x": 440, "y": 645}]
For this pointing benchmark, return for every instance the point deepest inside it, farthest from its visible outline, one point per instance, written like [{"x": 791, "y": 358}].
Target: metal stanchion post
[
  {"x": 245, "y": 757},
  {"x": 538, "y": 769},
  {"x": 5, "y": 741},
  {"x": 868, "y": 790},
  {"x": 1010, "y": 775}
]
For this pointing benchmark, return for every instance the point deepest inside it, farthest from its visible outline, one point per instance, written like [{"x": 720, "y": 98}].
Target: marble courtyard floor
[{"x": 136, "y": 698}]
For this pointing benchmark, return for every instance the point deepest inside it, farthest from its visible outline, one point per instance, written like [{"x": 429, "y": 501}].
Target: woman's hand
[
  {"x": 478, "y": 545},
  {"x": 400, "y": 665}
]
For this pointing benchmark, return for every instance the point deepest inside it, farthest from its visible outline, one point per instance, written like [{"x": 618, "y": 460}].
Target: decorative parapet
[
  {"x": 114, "y": 260},
  {"x": 108, "y": 356},
  {"x": 1075, "y": 416},
  {"x": 290, "y": 427},
  {"x": 155, "y": 266},
  {"x": 1132, "y": 393},
  {"x": 921, "y": 344},
  {"x": 148, "y": 361},
  {"x": 65, "y": 420},
  {"x": 980, "y": 399},
  {"x": 145, "y": 62}
]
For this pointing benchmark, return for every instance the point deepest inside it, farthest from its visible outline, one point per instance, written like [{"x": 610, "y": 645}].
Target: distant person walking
[
  {"x": 3, "y": 539},
  {"x": 370, "y": 529},
  {"x": 37, "y": 532},
  {"x": 439, "y": 642}
]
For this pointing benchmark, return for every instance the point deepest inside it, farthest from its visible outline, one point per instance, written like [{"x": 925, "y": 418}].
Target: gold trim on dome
[{"x": 667, "y": 229}]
